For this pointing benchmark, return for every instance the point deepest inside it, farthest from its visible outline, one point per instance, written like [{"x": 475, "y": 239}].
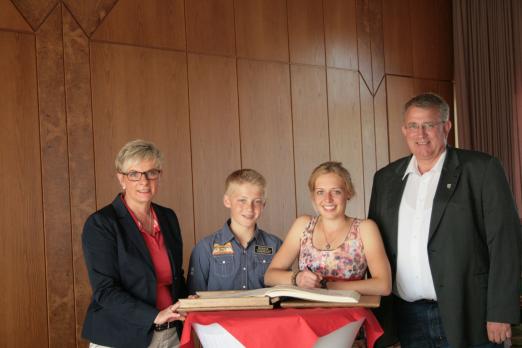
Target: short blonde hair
[
  {"x": 332, "y": 167},
  {"x": 242, "y": 176},
  {"x": 135, "y": 151}
]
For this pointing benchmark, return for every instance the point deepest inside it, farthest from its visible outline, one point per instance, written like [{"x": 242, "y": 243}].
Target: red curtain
[{"x": 488, "y": 79}]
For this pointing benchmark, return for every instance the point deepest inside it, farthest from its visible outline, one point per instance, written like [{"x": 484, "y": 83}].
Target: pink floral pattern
[{"x": 346, "y": 262}]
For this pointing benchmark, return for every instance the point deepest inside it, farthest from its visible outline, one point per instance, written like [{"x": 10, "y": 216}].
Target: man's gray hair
[{"x": 429, "y": 100}]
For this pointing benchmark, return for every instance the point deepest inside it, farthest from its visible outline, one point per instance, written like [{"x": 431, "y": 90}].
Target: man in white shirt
[{"x": 452, "y": 234}]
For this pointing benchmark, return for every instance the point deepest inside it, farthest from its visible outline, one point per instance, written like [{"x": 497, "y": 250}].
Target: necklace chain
[{"x": 328, "y": 246}]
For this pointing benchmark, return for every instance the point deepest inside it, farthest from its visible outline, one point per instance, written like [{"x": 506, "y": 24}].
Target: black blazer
[
  {"x": 122, "y": 277},
  {"x": 474, "y": 243}
]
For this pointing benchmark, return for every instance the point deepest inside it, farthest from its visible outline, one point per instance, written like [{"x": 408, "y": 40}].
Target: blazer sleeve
[
  {"x": 180, "y": 285},
  {"x": 100, "y": 251},
  {"x": 372, "y": 212},
  {"x": 503, "y": 237}
]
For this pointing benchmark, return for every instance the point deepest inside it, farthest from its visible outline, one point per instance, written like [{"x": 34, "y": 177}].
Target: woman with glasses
[{"x": 133, "y": 253}]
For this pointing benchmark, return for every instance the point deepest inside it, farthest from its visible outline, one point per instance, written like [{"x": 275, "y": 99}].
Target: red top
[{"x": 160, "y": 259}]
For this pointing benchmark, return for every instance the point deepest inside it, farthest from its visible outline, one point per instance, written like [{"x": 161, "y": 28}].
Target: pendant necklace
[{"x": 328, "y": 245}]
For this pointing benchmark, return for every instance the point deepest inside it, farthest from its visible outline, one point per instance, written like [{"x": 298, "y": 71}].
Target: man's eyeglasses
[
  {"x": 426, "y": 126},
  {"x": 133, "y": 175}
]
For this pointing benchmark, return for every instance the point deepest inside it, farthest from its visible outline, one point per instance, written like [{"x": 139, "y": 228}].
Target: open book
[{"x": 264, "y": 298}]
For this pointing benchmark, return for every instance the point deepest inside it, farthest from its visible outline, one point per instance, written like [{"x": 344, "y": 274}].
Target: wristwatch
[{"x": 324, "y": 283}]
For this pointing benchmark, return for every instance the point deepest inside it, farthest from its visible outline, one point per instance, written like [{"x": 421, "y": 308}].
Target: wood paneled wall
[{"x": 276, "y": 85}]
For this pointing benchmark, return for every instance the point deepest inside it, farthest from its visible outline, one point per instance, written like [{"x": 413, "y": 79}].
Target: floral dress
[{"x": 346, "y": 262}]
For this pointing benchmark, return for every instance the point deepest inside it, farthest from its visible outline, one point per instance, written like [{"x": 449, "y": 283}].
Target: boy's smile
[{"x": 246, "y": 202}]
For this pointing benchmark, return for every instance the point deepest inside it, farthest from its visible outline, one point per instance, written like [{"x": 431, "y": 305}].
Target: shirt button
[
  {"x": 244, "y": 268},
  {"x": 224, "y": 261},
  {"x": 264, "y": 261},
  {"x": 244, "y": 286}
]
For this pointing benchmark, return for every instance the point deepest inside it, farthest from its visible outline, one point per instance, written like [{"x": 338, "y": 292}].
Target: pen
[{"x": 323, "y": 281}]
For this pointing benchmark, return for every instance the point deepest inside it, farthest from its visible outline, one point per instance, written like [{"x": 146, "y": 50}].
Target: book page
[{"x": 325, "y": 295}]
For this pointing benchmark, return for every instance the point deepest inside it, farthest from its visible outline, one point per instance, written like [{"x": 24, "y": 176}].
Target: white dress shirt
[{"x": 414, "y": 281}]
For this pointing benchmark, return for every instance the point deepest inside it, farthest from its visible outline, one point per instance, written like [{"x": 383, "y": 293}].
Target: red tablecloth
[{"x": 288, "y": 328}]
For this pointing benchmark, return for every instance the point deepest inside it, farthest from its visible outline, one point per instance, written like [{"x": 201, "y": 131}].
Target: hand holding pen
[{"x": 309, "y": 279}]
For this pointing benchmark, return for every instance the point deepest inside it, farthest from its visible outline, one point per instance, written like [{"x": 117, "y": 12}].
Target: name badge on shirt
[
  {"x": 263, "y": 249},
  {"x": 222, "y": 249}
]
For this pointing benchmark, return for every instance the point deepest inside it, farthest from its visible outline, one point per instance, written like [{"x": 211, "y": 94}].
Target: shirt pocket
[
  {"x": 223, "y": 266},
  {"x": 261, "y": 263}
]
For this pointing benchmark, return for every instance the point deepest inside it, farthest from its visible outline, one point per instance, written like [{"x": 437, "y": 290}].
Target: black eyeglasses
[{"x": 134, "y": 175}]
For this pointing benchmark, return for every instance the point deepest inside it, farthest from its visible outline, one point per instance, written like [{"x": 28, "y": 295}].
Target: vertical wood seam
[
  {"x": 92, "y": 125},
  {"x": 325, "y": 66},
  {"x": 237, "y": 85},
  {"x": 189, "y": 127},
  {"x": 69, "y": 178},
  {"x": 291, "y": 103},
  {"x": 42, "y": 190}
]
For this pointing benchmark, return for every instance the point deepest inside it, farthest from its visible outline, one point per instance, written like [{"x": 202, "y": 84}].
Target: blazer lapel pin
[{"x": 448, "y": 186}]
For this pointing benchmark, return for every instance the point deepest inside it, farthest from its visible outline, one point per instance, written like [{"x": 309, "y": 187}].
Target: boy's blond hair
[{"x": 242, "y": 176}]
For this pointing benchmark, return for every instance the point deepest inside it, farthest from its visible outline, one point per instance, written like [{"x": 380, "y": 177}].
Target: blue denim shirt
[{"x": 219, "y": 261}]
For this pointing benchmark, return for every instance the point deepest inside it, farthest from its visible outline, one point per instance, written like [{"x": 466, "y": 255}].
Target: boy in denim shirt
[{"x": 236, "y": 256}]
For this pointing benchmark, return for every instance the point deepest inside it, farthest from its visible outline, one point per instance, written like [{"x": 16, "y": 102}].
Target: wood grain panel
[
  {"x": 35, "y": 11},
  {"x": 397, "y": 37},
  {"x": 153, "y": 23},
  {"x": 425, "y": 43},
  {"x": 89, "y": 14},
  {"x": 364, "y": 44},
  {"x": 399, "y": 91},
  {"x": 340, "y": 29},
  {"x": 425, "y": 86},
  {"x": 142, "y": 93},
  {"x": 214, "y": 127},
  {"x": 81, "y": 154},
  {"x": 345, "y": 131},
  {"x": 381, "y": 127},
  {"x": 266, "y": 137},
  {"x": 445, "y": 35},
  {"x": 377, "y": 40},
  {"x": 305, "y": 31},
  {"x": 432, "y": 41},
  {"x": 368, "y": 140},
  {"x": 261, "y": 29},
  {"x": 11, "y": 19},
  {"x": 22, "y": 264},
  {"x": 55, "y": 181},
  {"x": 210, "y": 27},
  {"x": 310, "y": 125}
]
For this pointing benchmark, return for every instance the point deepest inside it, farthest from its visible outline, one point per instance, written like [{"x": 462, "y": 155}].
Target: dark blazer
[
  {"x": 474, "y": 244},
  {"x": 122, "y": 277}
]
